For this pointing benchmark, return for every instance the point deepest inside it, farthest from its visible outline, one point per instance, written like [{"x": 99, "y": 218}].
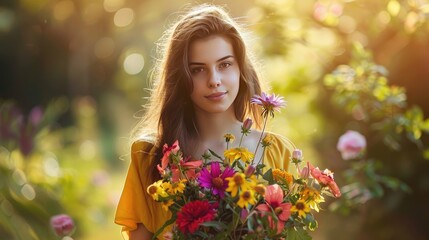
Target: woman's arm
[{"x": 141, "y": 233}]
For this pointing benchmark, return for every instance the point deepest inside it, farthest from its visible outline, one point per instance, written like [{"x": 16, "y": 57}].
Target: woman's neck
[{"x": 213, "y": 126}]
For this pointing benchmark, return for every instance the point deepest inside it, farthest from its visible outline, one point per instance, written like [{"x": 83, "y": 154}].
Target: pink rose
[
  {"x": 351, "y": 145},
  {"x": 62, "y": 224}
]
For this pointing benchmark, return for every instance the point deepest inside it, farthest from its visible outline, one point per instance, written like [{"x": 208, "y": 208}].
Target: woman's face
[{"x": 215, "y": 74}]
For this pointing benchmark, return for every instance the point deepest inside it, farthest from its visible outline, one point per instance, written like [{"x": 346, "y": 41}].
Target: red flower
[{"x": 193, "y": 214}]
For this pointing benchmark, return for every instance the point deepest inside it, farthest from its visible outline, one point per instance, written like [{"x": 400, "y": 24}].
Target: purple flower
[
  {"x": 269, "y": 103},
  {"x": 297, "y": 154},
  {"x": 62, "y": 224},
  {"x": 215, "y": 178}
]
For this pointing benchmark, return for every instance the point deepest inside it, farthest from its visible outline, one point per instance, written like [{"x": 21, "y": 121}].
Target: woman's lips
[{"x": 216, "y": 96}]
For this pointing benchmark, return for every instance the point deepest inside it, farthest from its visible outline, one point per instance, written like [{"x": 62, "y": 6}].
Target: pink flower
[
  {"x": 247, "y": 124},
  {"x": 305, "y": 172},
  {"x": 351, "y": 145},
  {"x": 325, "y": 178},
  {"x": 269, "y": 103},
  {"x": 166, "y": 156},
  {"x": 274, "y": 202},
  {"x": 62, "y": 224},
  {"x": 189, "y": 168},
  {"x": 215, "y": 178}
]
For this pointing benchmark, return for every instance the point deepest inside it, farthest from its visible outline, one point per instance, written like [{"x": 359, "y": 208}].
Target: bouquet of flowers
[{"x": 232, "y": 197}]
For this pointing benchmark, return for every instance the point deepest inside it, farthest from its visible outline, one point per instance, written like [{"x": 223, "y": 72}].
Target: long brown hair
[{"x": 170, "y": 113}]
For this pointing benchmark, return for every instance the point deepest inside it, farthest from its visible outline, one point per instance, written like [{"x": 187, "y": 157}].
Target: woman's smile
[{"x": 216, "y": 96}]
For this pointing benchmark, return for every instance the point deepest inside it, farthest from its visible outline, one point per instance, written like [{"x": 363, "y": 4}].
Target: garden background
[{"x": 73, "y": 76}]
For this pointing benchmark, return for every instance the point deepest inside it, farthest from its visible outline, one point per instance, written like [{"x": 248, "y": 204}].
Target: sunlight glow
[
  {"x": 51, "y": 167},
  {"x": 123, "y": 17},
  {"x": 19, "y": 177},
  {"x": 28, "y": 192},
  {"x": 112, "y": 5},
  {"x": 383, "y": 17},
  {"x": 133, "y": 63}
]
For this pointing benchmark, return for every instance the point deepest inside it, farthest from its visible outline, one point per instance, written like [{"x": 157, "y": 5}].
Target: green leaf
[
  {"x": 297, "y": 234},
  {"x": 169, "y": 222},
  {"x": 269, "y": 176},
  {"x": 219, "y": 226},
  {"x": 215, "y": 154}
]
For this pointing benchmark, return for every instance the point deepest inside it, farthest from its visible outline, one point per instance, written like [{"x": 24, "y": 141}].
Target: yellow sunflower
[
  {"x": 229, "y": 137},
  {"x": 300, "y": 207},
  {"x": 166, "y": 204},
  {"x": 242, "y": 153},
  {"x": 246, "y": 197},
  {"x": 156, "y": 190},
  {"x": 312, "y": 197}
]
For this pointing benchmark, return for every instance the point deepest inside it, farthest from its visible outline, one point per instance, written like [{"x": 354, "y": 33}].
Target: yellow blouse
[{"x": 136, "y": 206}]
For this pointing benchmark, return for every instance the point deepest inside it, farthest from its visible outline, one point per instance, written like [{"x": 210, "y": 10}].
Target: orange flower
[{"x": 282, "y": 176}]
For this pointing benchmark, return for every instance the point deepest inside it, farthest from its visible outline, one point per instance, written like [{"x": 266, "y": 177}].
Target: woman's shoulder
[
  {"x": 278, "y": 150},
  {"x": 144, "y": 145},
  {"x": 279, "y": 142}
]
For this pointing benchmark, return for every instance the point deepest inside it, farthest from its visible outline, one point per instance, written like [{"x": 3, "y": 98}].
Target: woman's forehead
[{"x": 210, "y": 49}]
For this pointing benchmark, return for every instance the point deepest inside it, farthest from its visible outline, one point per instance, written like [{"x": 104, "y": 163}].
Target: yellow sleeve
[
  {"x": 278, "y": 154},
  {"x": 135, "y": 205}
]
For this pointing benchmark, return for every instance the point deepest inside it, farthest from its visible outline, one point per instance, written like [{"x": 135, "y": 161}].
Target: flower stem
[
  {"x": 260, "y": 138},
  {"x": 262, "y": 157},
  {"x": 241, "y": 139}
]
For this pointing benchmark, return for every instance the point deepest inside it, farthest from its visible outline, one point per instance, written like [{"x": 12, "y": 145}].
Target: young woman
[{"x": 202, "y": 90}]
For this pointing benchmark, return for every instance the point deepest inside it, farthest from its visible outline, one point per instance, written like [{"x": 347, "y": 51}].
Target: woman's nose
[{"x": 215, "y": 79}]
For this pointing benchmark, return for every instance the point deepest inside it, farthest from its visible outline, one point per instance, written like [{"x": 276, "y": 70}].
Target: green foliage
[
  {"x": 362, "y": 90},
  {"x": 42, "y": 175},
  {"x": 24, "y": 192},
  {"x": 299, "y": 234}
]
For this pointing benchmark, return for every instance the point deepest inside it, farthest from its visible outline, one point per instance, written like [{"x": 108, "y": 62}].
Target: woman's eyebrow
[{"x": 219, "y": 60}]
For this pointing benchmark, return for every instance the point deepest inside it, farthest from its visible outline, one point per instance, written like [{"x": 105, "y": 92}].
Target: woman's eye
[
  {"x": 197, "y": 70},
  {"x": 224, "y": 65}
]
